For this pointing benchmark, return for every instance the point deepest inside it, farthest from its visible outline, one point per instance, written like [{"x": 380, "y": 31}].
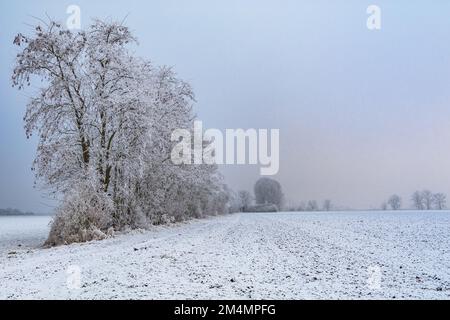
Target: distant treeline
[
  {"x": 14, "y": 212},
  {"x": 421, "y": 200}
]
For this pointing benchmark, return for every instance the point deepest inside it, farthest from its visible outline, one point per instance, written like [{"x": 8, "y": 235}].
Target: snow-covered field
[
  {"x": 370, "y": 255},
  {"x": 25, "y": 232}
]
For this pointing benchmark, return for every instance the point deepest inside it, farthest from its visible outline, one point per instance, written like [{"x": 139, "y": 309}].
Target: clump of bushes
[{"x": 85, "y": 215}]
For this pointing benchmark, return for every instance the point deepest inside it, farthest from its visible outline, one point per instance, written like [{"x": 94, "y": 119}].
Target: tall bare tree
[
  {"x": 327, "y": 205},
  {"x": 312, "y": 206},
  {"x": 395, "y": 202},
  {"x": 418, "y": 201},
  {"x": 427, "y": 197},
  {"x": 440, "y": 201},
  {"x": 245, "y": 200}
]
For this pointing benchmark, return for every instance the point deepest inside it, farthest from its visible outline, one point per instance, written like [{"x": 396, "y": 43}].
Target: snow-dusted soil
[{"x": 260, "y": 256}]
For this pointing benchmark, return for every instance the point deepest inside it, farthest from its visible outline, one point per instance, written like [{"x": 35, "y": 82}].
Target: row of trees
[
  {"x": 312, "y": 205},
  {"x": 426, "y": 200},
  {"x": 14, "y": 212},
  {"x": 269, "y": 194},
  {"x": 421, "y": 200},
  {"x": 104, "y": 120}
]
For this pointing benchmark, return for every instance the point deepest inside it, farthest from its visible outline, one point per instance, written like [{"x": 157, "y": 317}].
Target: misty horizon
[{"x": 362, "y": 114}]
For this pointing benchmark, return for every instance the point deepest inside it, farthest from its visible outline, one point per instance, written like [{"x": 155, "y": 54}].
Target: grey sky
[{"x": 362, "y": 114}]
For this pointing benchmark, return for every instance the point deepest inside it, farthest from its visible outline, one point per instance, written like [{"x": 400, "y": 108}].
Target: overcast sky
[{"x": 362, "y": 114}]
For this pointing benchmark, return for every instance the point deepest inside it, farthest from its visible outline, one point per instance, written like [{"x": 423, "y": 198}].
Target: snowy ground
[{"x": 260, "y": 256}]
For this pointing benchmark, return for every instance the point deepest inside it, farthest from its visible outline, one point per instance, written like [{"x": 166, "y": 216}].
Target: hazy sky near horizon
[{"x": 362, "y": 114}]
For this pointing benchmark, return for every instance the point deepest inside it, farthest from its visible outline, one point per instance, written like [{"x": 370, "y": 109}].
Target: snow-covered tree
[
  {"x": 104, "y": 118},
  {"x": 268, "y": 191},
  {"x": 440, "y": 201},
  {"x": 418, "y": 201},
  {"x": 395, "y": 202},
  {"x": 301, "y": 206},
  {"x": 312, "y": 206},
  {"x": 327, "y": 205},
  {"x": 245, "y": 200},
  {"x": 427, "y": 197}
]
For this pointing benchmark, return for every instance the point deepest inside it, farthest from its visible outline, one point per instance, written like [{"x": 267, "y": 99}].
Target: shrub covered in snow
[{"x": 84, "y": 215}]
